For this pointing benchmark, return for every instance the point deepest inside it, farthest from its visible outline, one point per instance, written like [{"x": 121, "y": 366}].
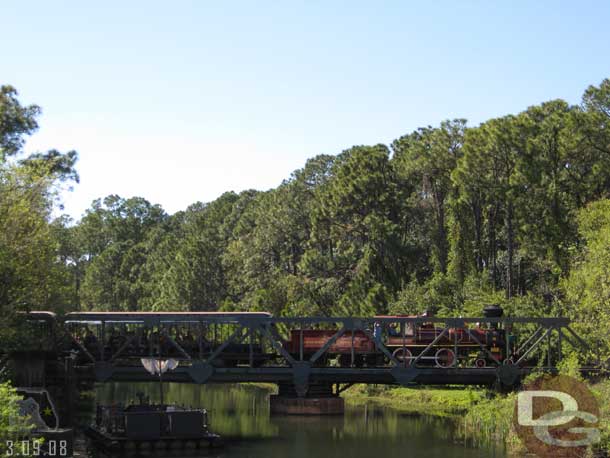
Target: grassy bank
[
  {"x": 602, "y": 392},
  {"x": 491, "y": 419},
  {"x": 415, "y": 401},
  {"x": 270, "y": 387}
]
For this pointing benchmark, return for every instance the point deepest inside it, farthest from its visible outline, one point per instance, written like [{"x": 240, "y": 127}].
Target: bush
[{"x": 13, "y": 427}]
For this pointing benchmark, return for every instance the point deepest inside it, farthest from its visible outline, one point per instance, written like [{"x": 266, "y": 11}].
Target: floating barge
[{"x": 146, "y": 427}]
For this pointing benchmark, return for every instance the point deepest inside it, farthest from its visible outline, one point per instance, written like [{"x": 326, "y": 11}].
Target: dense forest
[{"x": 515, "y": 211}]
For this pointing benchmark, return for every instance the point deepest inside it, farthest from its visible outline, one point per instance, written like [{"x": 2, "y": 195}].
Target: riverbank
[
  {"x": 491, "y": 419},
  {"x": 481, "y": 416}
]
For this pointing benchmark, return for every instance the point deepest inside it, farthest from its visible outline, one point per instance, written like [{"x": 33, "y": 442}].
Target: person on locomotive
[{"x": 377, "y": 332}]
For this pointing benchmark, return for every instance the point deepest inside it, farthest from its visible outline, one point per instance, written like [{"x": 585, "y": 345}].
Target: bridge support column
[{"x": 319, "y": 400}]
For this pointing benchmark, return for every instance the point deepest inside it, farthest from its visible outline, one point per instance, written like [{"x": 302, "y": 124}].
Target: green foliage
[
  {"x": 570, "y": 365},
  {"x": 587, "y": 287},
  {"x": 442, "y": 402},
  {"x": 13, "y": 427},
  {"x": 31, "y": 274},
  {"x": 439, "y": 294},
  {"x": 426, "y": 158},
  {"x": 490, "y": 420},
  {"x": 15, "y": 122},
  {"x": 602, "y": 393},
  {"x": 112, "y": 240}
]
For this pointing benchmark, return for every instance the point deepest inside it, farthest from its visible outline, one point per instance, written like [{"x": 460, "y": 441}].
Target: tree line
[{"x": 515, "y": 211}]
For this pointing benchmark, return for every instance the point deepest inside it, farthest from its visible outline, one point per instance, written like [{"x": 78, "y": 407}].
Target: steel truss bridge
[{"x": 233, "y": 347}]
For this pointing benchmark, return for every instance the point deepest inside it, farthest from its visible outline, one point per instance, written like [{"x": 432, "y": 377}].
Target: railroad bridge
[{"x": 306, "y": 357}]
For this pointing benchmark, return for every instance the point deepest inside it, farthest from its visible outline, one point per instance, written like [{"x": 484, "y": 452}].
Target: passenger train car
[{"x": 188, "y": 335}]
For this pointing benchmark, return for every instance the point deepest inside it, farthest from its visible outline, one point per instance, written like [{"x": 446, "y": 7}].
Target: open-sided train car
[
  {"x": 36, "y": 333},
  {"x": 181, "y": 335}
]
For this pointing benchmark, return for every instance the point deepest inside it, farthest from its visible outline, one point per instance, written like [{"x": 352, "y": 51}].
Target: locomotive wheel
[
  {"x": 480, "y": 363},
  {"x": 405, "y": 357},
  {"x": 445, "y": 357}
]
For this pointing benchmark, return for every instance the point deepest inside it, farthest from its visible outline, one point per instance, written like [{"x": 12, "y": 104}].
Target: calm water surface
[{"x": 240, "y": 414}]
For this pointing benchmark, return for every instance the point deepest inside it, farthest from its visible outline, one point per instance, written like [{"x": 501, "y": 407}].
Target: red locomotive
[{"x": 408, "y": 342}]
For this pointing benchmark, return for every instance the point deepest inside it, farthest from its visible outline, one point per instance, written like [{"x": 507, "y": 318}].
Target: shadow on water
[{"x": 240, "y": 414}]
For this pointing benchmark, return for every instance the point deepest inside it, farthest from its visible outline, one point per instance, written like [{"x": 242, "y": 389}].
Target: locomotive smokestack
[{"x": 493, "y": 311}]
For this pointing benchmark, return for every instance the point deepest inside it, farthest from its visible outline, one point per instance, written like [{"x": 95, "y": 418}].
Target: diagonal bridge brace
[{"x": 201, "y": 371}]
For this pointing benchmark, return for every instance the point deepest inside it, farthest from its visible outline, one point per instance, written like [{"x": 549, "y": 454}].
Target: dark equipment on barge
[{"x": 151, "y": 426}]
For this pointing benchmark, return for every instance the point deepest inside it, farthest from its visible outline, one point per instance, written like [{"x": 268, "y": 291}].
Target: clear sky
[{"x": 180, "y": 101}]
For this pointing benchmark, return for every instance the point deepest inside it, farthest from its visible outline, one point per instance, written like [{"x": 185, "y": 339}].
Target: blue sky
[{"x": 181, "y": 101}]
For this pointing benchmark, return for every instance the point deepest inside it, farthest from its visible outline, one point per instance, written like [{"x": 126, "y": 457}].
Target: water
[{"x": 240, "y": 414}]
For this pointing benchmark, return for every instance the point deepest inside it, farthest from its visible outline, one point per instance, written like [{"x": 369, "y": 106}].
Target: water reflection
[{"x": 240, "y": 413}]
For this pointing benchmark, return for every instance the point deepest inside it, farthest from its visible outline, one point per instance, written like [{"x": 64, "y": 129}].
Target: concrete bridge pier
[{"x": 319, "y": 400}]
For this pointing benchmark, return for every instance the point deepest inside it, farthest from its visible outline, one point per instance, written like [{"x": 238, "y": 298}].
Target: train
[{"x": 406, "y": 339}]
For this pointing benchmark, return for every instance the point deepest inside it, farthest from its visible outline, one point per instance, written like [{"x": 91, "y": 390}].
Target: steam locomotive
[{"x": 420, "y": 343}]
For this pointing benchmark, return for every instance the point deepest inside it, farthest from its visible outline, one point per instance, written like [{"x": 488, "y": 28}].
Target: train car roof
[
  {"x": 167, "y": 313},
  {"x": 163, "y": 316},
  {"x": 40, "y": 313}
]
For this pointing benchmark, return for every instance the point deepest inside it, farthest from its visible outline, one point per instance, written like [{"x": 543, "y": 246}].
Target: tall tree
[
  {"x": 488, "y": 172},
  {"x": 428, "y": 156},
  {"x": 16, "y": 121},
  {"x": 355, "y": 236},
  {"x": 196, "y": 278},
  {"x": 31, "y": 273},
  {"x": 111, "y": 235}
]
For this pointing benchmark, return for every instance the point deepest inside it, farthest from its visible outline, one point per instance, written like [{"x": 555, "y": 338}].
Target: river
[{"x": 240, "y": 414}]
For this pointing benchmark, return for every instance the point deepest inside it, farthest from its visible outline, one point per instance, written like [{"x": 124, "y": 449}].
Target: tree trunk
[
  {"x": 492, "y": 244},
  {"x": 510, "y": 248},
  {"x": 441, "y": 235},
  {"x": 478, "y": 229}
]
